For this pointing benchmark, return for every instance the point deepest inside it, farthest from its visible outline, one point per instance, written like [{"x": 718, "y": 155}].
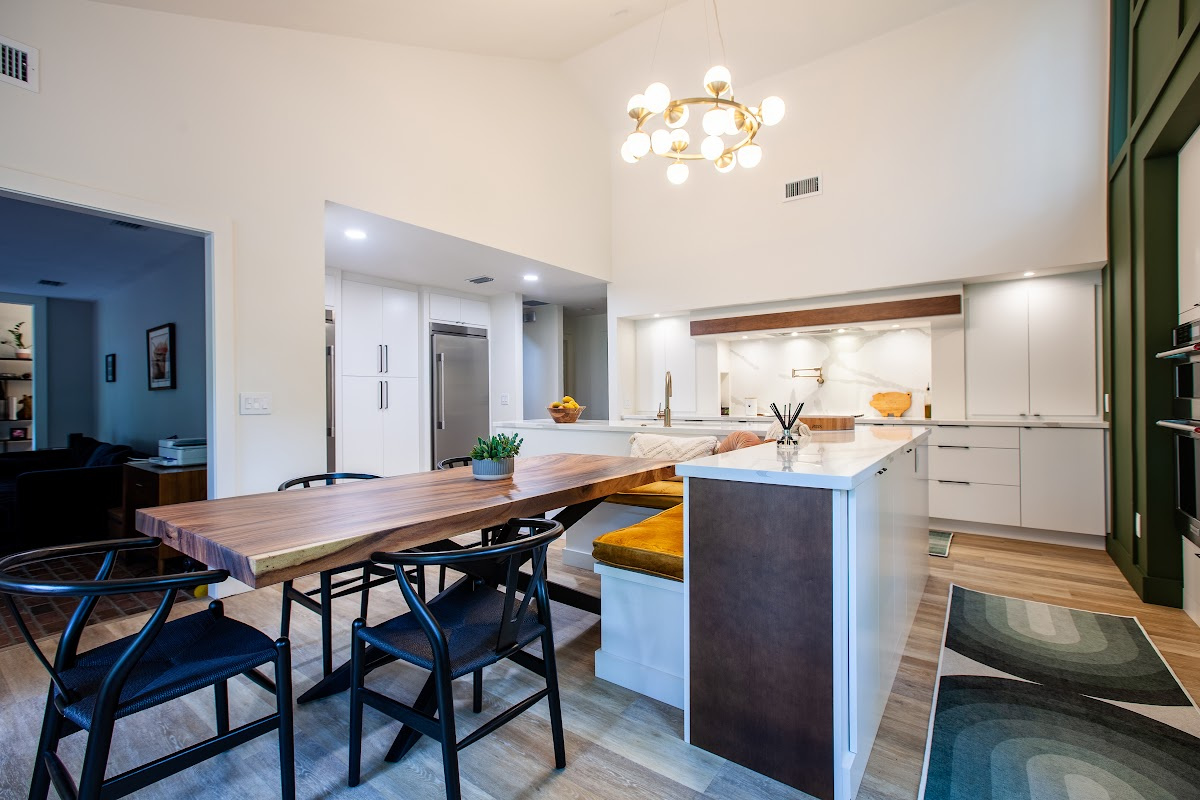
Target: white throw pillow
[{"x": 671, "y": 448}]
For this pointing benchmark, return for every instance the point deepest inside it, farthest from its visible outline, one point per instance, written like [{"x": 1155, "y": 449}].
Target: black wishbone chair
[
  {"x": 367, "y": 577},
  {"x": 165, "y": 660},
  {"x": 469, "y": 626}
]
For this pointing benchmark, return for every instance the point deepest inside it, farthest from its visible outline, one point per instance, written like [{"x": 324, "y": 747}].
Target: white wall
[
  {"x": 971, "y": 143},
  {"x": 276, "y": 123},
  {"x": 73, "y": 372},
  {"x": 542, "y": 367},
  {"x": 590, "y": 337},
  {"x": 506, "y": 341},
  {"x": 127, "y": 412}
]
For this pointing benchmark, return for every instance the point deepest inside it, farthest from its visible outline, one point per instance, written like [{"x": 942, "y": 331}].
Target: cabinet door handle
[
  {"x": 952, "y": 447},
  {"x": 381, "y": 395},
  {"x": 387, "y": 359},
  {"x": 440, "y": 364},
  {"x": 387, "y": 394},
  {"x": 909, "y": 450},
  {"x": 379, "y": 358},
  {"x": 956, "y": 483}
]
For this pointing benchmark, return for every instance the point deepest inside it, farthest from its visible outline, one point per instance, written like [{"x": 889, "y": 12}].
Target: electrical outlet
[
  {"x": 1137, "y": 524},
  {"x": 504, "y": 399},
  {"x": 254, "y": 403}
]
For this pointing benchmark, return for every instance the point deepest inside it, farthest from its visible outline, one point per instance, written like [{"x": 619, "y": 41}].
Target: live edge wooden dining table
[{"x": 264, "y": 539}]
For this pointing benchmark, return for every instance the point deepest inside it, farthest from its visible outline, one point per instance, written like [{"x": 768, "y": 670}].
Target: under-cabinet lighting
[
  {"x": 897, "y": 325},
  {"x": 355, "y": 233},
  {"x": 795, "y": 333},
  {"x": 841, "y": 330},
  {"x": 1030, "y": 274}
]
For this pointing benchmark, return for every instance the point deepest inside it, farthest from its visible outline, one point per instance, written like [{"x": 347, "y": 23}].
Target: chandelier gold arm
[{"x": 752, "y": 125}]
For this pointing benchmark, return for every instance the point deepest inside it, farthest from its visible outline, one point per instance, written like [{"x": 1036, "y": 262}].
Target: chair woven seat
[
  {"x": 190, "y": 653},
  {"x": 469, "y": 619}
]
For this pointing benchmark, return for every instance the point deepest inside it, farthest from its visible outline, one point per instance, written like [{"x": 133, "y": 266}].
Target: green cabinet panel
[{"x": 1155, "y": 31}]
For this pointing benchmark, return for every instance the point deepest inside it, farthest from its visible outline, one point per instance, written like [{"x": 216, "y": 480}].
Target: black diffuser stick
[
  {"x": 778, "y": 416},
  {"x": 795, "y": 416}
]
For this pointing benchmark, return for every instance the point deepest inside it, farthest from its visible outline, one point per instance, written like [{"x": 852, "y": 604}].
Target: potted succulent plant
[
  {"x": 18, "y": 341},
  {"x": 492, "y": 459}
]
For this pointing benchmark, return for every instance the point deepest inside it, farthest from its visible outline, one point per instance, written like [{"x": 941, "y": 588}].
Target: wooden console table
[{"x": 147, "y": 485}]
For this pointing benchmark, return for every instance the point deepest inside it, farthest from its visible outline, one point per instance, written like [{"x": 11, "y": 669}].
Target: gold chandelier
[{"x": 722, "y": 116}]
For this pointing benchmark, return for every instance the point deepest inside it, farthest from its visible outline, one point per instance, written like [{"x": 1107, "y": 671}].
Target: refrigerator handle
[
  {"x": 440, "y": 379},
  {"x": 329, "y": 396}
]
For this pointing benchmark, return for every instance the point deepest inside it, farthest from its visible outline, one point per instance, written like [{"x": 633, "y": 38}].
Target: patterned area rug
[
  {"x": 1041, "y": 702},
  {"x": 939, "y": 543}
]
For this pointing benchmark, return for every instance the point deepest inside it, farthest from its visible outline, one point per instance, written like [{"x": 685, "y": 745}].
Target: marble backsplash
[{"x": 855, "y": 366}]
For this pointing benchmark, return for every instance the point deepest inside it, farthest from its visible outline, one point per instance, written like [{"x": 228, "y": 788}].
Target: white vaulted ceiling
[{"x": 769, "y": 34}]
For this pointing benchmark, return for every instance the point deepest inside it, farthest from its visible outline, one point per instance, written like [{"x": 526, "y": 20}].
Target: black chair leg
[
  {"x": 477, "y": 691},
  {"x": 283, "y": 705},
  {"x": 357, "y": 656},
  {"x": 52, "y": 724},
  {"x": 426, "y": 703},
  {"x": 441, "y": 580},
  {"x": 556, "y": 726},
  {"x": 445, "y": 703},
  {"x": 221, "y": 692},
  {"x": 326, "y": 624},
  {"x": 95, "y": 759},
  {"x": 366, "y": 592},
  {"x": 285, "y": 616}
]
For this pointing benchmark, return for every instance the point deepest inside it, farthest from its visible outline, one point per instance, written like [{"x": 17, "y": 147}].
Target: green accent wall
[{"x": 1154, "y": 109}]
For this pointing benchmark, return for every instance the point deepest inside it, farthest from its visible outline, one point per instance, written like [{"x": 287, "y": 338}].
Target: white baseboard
[
  {"x": 642, "y": 679},
  {"x": 1086, "y": 541},
  {"x": 578, "y": 558}
]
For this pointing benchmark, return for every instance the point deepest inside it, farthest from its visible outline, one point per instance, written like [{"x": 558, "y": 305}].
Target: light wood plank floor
[{"x": 619, "y": 744}]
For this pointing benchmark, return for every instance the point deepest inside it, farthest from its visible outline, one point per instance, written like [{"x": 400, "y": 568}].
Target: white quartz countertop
[
  {"x": 833, "y": 460},
  {"x": 633, "y": 426},
  {"x": 1029, "y": 422}
]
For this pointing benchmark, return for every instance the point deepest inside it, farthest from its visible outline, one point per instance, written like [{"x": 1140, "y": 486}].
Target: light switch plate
[
  {"x": 504, "y": 399},
  {"x": 254, "y": 403}
]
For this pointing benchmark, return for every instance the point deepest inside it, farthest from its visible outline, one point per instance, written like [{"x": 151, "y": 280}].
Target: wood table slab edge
[{"x": 188, "y": 526}]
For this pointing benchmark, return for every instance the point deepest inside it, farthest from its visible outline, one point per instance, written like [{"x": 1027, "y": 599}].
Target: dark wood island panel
[{"x": 761, "y": 608}]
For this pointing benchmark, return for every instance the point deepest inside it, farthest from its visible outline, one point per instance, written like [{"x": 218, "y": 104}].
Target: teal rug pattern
[
  {"x": 1041, "y": 702},
  {"x": 939, "y": 543}
]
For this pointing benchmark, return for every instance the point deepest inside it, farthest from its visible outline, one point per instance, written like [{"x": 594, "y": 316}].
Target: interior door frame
[{"x": 217, "y": 231}]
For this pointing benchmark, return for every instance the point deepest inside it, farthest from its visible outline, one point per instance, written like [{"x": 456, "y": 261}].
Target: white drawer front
[
  {"x": 975, "y": 464},
  {"x": 976, "y": 436},
  {"x": 975, "y": 502}
]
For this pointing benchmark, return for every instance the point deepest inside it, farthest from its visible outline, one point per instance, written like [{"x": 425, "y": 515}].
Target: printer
[{"x": 182, "y": 452}]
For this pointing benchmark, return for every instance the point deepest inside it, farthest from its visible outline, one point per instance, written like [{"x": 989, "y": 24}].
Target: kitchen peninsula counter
[{"x": 803, "y": 572}]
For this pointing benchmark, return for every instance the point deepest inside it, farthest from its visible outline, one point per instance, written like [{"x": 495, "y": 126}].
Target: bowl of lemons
[{"x": 565, "y": 410}]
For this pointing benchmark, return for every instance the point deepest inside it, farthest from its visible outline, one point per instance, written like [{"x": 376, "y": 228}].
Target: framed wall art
[{"x": 160, "y": 356}]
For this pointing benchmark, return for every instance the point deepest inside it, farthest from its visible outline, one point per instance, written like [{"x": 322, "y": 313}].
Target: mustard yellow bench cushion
[
  {"x": 660, "y": 494},
  {"x": 653, "y": 546}
]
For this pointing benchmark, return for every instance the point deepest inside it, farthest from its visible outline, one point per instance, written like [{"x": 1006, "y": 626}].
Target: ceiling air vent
[
  {"x": 805, "y": 187},
  {"x": 534, "y": 303},
  {"x": 48, "y": 282},
  {"x": 18, "y": 64},
  {"x": 480, "y": 279},
  {"x": 133, "y": 226}
]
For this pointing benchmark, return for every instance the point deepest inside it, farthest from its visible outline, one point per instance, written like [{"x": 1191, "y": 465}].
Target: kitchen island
[{"x": 802, "y": 572}]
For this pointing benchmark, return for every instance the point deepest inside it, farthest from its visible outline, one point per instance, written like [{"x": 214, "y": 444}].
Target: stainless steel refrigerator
[{"x": 461, "y": 407}]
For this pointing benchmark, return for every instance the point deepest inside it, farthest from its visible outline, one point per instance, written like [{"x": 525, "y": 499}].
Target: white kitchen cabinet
[
  {"x": 1063, "y": 480},
  {"x": 999, "y": 466},
  {"x": 380, "y": 434},
  {"x": 459, "y": 311},
  {"x": 975, "y": 502},
  {"x": 1031, "y": 348},
  {"x": 997, "y": 334},
  {"x": 665, "y": 345},
  {"x": 1062, "y": 349},
  {"x": 378, "y": 331},
  {"x": 1189, "y": 229}
]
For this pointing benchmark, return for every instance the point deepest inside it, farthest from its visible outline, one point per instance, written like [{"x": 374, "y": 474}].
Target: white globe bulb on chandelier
[{"x": 720, "y": 116}]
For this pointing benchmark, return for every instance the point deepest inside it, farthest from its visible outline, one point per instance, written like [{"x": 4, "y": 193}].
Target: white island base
[{"x": 802, "y": 577}]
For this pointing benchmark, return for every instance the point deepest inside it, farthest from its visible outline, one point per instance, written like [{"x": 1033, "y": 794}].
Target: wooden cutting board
[
  {"x": 891, "y": 404},
  {"x": 820, "y": 423}
]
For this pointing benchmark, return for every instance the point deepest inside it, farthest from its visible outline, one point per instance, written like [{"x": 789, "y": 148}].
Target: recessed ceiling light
[
  {"x": 656, "y": 316},
  {"x": 745, "y": 337},
  {"x": 1030, "y": 274},
  {"x": 531, "y": 277},
  {"x": 794, "y": 333},
  {"x": 841, "y": 330},
  {"x": 355, "y": 233},
  {"x": 897, "y": 325}
]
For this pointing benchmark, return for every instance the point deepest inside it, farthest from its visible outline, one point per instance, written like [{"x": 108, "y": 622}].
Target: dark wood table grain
[{"x": 264, "y": 539}]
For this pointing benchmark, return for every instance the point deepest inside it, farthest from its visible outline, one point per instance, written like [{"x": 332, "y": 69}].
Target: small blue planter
[{"x": 491, "y": 469}]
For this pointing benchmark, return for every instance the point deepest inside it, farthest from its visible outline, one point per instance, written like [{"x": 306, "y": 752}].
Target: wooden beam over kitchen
[{"x": 836, "y": 315}]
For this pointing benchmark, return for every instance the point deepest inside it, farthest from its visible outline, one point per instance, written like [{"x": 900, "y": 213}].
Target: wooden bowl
[{"x": 565, "y": 414}]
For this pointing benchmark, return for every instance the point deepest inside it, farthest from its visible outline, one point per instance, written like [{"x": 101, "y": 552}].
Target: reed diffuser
[{"x": 787, "y": 440}]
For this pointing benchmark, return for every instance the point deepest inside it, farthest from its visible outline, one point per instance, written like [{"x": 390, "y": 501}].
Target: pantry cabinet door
[
  {"x": 361, "y": 433},
  {"x": 400, "y": 338},
  {"x": 360, "y": 328},
  {"x": 997, "y": 338},
  {"x": 1062, "y": 348}
]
